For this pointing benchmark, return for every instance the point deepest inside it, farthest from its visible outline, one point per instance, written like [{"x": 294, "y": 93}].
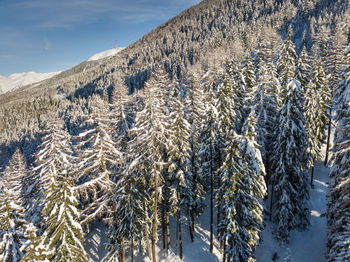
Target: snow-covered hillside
[
  {"x": 15, "y": 81},
  {"x": 105, "y": 54}
]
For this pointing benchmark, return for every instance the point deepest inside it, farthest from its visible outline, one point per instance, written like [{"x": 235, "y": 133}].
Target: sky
[{"x": 54, "y": 35}]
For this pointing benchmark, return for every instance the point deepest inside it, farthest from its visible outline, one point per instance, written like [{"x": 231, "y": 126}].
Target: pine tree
[
  {"x": 12, "y": 223},
  {"x": 303, "y": 70},
  {"x": 317, "y": 100},
  {"x": 286, "y": 64},
  {"x": 97, "y": 161},
  {"x": 54, "y": 155},
  {"x": 243, "y": 189},
  {"x": 291, "y": 189},
  {"x": 338, "y": 211},
  {"x": 151, "y": 132},
  {"x": 63, "y": 237},
  {"x": 207, "y": 155},
  {"x": 179, "y": 163},
  {"x": 195, "y": 111},
  {"x": 333, "y": 67}
]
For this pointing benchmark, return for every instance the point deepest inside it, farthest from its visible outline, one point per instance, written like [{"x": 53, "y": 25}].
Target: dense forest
[{"x": 230, "y": 101}]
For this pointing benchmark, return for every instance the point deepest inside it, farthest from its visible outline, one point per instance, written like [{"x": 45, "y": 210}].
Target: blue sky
[{"x": 52, "y": 35}]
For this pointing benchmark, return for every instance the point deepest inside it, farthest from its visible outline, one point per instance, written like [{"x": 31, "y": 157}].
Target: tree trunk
[
  {"x": 328, "y": 135},
  {"x": 154, "y": 220},
  {"x": 163, "y": 226},
  {"x": 271, "y": 200},
  {"x": 218, "y": 217},
  {"x": 211, "y": 199},
  {"x": 224, "y": 249},
  {"x": 132, "y": 248},
  {"x": 312, "y": 176},
  {"x": 179, "y": 224},
  {"x": 167, "y": 232},
  {"x": 122, "y": 251},
  {"x": 146, "y": 236},
  {"x": 191, "y": 226}
]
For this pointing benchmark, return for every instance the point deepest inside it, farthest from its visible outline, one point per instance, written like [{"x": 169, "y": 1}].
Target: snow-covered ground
[
  {"x": 305, "y": 246},
  {"x": 15, "y": 81},
  {"x": 105, "y": 54}
]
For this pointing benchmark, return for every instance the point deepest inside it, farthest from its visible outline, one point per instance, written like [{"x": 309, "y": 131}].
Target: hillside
[{"x": 221, "y": 135}]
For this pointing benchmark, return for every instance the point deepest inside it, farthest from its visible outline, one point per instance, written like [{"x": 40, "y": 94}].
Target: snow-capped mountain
[
  {"x": 105, "y": 54},
  {"x": 18, "y": 80}
]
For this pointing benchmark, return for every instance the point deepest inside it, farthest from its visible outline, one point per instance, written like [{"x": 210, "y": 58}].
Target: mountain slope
[
  {"x": 18, "y": 80},
  {"x": 202, "y": 36},
  {"x": 105, "y": 54}
]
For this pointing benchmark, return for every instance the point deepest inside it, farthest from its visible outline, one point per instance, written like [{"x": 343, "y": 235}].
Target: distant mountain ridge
[{"x": 15, "y": 81}]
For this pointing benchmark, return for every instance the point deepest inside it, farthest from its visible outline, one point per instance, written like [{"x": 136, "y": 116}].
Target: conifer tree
[
  {"x": 195, "y": 111},
  {"x": 97, "y": 161},
  {"x": 243, "y": 189},
  {"x": 333, "y": 67},
  {"x": 12, "y": 223},
  {"x": 179, "y": 164},
  {"x": 317, "y": 101},
  {"x": 151, "y": 131},
  {"x": 291, "y": 187},
  {"x": 207, "y": 156},
  {"x": 63, "y": 236},
  {"x": 303, "y": 70},
  {"x": 338, "y": 211},
  {"x": 286, "y": 64}
]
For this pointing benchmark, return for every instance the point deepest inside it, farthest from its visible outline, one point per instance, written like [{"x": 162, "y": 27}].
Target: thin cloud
[{"x": 68, "y": 14}]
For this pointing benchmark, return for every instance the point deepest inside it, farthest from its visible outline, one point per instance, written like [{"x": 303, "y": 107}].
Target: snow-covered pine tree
[
  {"x": 286, "y": 64},
  {"x": 12, "y": 223},
  {"x": 243, "y": 189},
  {"x": 98, "y": 158},
  {"x": 179, "y": 164},
  {"x": 151, "y": 132},
  {"x": 267, "y": 103},
  {"x": 127, "y": 219},
  {"x": 207, "y": 154},
  {"x": 317, "y": 101},
  {"x": 303, "y": 70},
  {"x": 121, "y": 115},
  {"x": 338, "y": 210},
  {"x": 195, "y": 110},
  {"x": 63, "y": 237},
  {"x": 289, "y": 179},
  {"x": 54, "y": 156},
  {"x": 333, "y": 67}
]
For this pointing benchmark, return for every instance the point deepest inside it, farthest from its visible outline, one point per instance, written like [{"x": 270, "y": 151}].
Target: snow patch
[{"x": 105, "y": 54}]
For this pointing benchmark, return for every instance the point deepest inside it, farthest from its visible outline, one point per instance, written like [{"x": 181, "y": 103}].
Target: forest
[{"x": 137, "y": 147}]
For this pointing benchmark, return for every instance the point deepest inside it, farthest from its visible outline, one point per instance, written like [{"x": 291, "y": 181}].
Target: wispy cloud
[
  {"x": 70, "y": 14},
  {"x": 47, "y": 44}
]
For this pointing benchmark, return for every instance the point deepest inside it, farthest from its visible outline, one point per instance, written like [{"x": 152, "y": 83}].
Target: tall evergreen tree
[
  {"x": 195, "y": 111},
  {"x": 207, "y": 156},
  {"x": 12, "y": 223},
  {"x": 286, "y": 64},
  {"x": 243, "y": 189},
  {"x": 179, "y": 164},
  {"x": 317, "y": 101},
  {"x": 98, "y": 159},
  {"x": 338, "y": 210},
  {"x": 291, "y": 187},
  {"x": 151, "y": 132}
]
